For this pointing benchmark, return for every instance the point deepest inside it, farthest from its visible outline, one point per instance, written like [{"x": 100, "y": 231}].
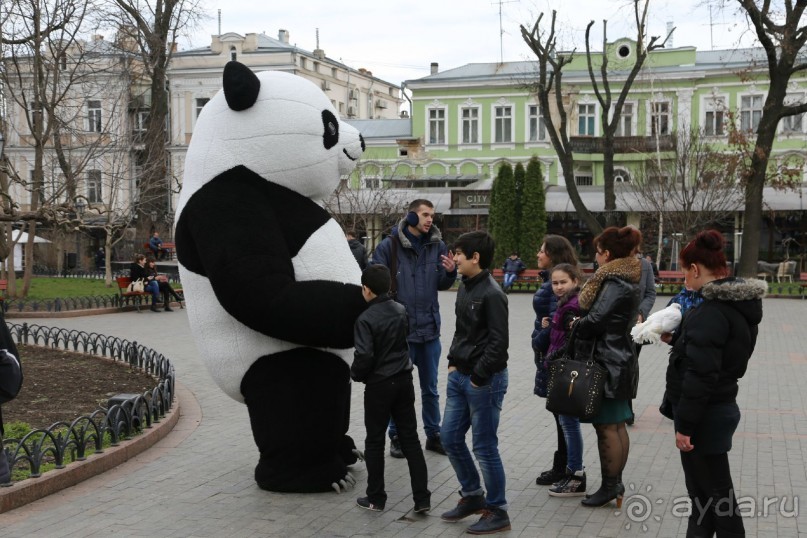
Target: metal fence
[{"x": 86, "y": 433}]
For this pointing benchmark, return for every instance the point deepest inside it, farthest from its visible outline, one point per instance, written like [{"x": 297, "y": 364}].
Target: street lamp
[
  {"x": 153, "y": 215},
  {"x": 81, "y": 207}
]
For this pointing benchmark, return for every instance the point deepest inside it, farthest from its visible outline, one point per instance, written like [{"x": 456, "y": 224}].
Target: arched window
[{"x": 233, "y": 53}]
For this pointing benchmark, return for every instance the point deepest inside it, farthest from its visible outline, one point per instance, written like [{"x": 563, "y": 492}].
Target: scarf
[{"x": 628, "y": 269}]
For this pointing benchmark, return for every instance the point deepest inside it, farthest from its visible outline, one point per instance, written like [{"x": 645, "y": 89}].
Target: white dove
[{"x": 663, "y": 321}]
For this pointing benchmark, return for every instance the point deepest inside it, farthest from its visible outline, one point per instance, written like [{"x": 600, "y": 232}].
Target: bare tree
[
  {"x": 373, "y": 208},
  {"x": 154, "y": 27},
  {"x": 782, "y": 34},
  {"x": 553, "y": 100},
  {"x": 699, "y": 186}
]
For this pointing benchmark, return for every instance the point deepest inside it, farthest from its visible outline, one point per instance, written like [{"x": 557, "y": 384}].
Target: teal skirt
[{"x": 612, "y": 412}]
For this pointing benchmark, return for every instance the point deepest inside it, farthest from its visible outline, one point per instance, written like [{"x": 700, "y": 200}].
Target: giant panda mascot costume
[{"x": 272, "y": 287}]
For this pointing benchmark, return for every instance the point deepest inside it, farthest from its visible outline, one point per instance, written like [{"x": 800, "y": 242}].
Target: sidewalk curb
[{"x": 32, "y": 489}]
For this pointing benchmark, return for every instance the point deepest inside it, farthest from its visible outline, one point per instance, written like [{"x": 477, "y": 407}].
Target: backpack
[{"x": 10, "y": 376}]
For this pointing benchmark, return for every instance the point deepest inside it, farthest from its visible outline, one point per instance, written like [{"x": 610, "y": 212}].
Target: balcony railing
[{"x": 622, "y": 144}]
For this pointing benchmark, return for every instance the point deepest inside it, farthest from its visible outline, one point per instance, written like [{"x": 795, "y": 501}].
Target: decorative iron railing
[{"x": 87, "y": 433}]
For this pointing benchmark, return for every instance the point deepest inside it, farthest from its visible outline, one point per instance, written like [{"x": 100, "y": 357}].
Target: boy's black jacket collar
[
  {"x": 473, "y": 281},
  {"x": 379, "y": 299}
]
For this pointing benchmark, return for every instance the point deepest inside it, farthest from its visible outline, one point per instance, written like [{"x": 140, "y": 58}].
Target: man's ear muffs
[{"x": 412, "y": 219}]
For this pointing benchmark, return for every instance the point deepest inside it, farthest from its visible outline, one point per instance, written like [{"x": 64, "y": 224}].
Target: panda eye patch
[{"x": 330, "y": 133}]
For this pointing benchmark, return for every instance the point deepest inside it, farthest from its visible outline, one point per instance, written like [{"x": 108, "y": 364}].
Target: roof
[{"x": 386, "y": 128}]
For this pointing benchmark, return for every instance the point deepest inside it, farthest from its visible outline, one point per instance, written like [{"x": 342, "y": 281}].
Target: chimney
[
  {"x": 434, "y": 68},
  {"x": 670, "y": 29},
  {"x": 283, "y": 36}
]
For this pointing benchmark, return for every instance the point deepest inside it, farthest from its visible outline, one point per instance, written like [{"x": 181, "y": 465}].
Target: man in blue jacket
[{"x": 420, "y": 265}]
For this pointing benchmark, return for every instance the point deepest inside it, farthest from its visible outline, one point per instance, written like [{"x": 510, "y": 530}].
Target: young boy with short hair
[
  {"x": 477, "y": 382},
  {"x": 381, "y": 361}
]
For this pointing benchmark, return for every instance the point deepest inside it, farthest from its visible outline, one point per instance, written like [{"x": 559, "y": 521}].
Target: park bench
[
  {"x": 135, "y": 296},
  {"x": 802, "y": 284},
  {"x": 170, "y": 248},
  {"x": 525, "y": 278},
  {"x": 3, "y": 288}
]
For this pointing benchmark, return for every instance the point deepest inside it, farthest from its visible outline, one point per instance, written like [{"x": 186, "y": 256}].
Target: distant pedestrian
[{"x": 357, "y": 248}]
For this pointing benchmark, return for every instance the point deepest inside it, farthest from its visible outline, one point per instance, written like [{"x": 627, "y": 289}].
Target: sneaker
[
  {"x": 472, "y": 504},
  {"x": 395, "y": 448},
  {"x": 423, "y": 507},
  {"x": 434, "y": 444},
  {"x": 574, "y": 485},
  {"x": 364, "y": 502},
  {"x": 493, "y": 520},
  {"x": 550, "y": 477}
]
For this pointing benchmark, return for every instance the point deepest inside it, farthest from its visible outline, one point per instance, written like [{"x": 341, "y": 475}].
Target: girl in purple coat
[{"x": 565, "y": 285}]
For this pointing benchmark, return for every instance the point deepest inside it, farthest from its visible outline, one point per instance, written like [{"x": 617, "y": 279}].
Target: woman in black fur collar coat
[
  {"x": 610, "y": 302},
  {"x": 709, "y": 354}
]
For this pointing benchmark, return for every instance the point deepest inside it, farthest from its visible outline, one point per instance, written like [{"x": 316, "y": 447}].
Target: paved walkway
[{"x": 198, "y": 482}]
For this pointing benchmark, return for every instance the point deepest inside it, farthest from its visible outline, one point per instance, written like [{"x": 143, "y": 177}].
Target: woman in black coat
[
  {"x": 709, "y": 354},
  {"x": 609, "y": 302},
  {"x": 138, "y": 271}
]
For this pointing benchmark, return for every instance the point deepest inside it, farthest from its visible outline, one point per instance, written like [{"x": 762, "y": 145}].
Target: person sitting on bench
[
  {"x": 156, "y": 246},
  {"x": 138, "y": 271}
]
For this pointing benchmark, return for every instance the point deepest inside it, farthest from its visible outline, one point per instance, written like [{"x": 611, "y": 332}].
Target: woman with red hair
[
  {"x": 609, "y": 304},
  {"x": 710, "y": 352}
]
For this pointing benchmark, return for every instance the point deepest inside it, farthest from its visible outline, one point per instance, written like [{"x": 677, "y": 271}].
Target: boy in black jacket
[
  {"x": 477, "y": 381},
  {"x": 381, "y": 361}
]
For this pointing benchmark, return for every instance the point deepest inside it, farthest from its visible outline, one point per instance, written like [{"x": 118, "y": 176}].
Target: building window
[
  {"x": 141, "y": 119},
  {"x": 94, "y": 116},
  {"x": 793, "y": 124},
  {"x": 63, "y": 61},
  {"x": 583, "y": 181},
  {"x": 233, "y": 53},
  {"x": 437, "y": 126},
  {"x": 316, "y": 67},
  {"x": 536, "y": 124},
  {"x": 585, "y": 120},
  {"x": 470, "y": 125},
  {"x": 94, "y": 186},
  {"x": 303, "y": 63},
  {"x": 200, "y": 104},
  {"x": 333, "y": 72},
  {"x": 750, "y": 112},
  {"x": 36, "y": 115},
  {"x": 714, "y": 119},
  {"x": 625, "y": 125},
  {"x": 503, "y": 117},
  {"x": 660, "y": 118}
]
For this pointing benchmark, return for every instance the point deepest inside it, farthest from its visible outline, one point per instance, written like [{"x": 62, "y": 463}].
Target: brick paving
[{"x": 198, "y": 481}]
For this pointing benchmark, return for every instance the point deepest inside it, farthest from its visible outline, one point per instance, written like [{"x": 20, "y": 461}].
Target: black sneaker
[
  {"x": 395, "y": 448},
  {"x": 423, "y": 507},
  {"x": 434, "y": 444},
  {"x": 493, "y": 520},
  {"x": 574, "y": 485},
  {"x": 550, "y": 477},
  {"x": 364, "y": 502},
  {"x": 473, "y": 504}
]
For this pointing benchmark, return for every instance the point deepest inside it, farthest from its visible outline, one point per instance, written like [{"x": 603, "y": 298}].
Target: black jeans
[
  {"x": 393, "y": 397},
  {"x": 714, "y": 501}
]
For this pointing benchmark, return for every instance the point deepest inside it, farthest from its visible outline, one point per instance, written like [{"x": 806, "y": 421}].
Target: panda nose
[{"x": 361, "y": 138}]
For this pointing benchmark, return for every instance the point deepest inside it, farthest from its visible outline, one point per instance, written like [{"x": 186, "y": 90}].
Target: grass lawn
[{"x": 53, "y": 287}]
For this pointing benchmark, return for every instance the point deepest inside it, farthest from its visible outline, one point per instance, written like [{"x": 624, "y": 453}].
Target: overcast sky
[{"x": 399, "y": 40}]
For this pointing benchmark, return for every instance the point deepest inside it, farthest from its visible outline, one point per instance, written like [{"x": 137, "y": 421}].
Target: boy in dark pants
[
  {"x": 381, "y": 361},
  {"x": 477, "y": 381}
]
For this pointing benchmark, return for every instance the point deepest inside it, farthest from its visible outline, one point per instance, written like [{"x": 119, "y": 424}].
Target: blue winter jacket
[
  {"x": 544, "y": 302},
  {"x": 419, "y": 277}
]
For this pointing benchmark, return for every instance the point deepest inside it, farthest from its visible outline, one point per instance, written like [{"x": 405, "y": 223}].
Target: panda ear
[{"x": 241, "y": 86}]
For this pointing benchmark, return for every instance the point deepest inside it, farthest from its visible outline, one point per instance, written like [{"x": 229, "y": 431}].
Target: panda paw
[
  {"x": 345, "y": 484},
  {"x": 358, "y": 453}
]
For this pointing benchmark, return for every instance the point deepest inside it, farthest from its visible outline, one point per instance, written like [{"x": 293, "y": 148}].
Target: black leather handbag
[{"x": 575, "y": 387}]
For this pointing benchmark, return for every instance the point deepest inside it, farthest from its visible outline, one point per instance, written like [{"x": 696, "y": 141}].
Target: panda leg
[{"x": 299, "y": 407}]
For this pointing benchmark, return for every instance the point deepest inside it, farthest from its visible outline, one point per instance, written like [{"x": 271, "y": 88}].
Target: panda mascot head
[{"x": 272, "y": 287}]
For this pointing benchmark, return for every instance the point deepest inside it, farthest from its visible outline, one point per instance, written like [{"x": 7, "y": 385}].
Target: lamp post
[{"x": 81, "y": 208}]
